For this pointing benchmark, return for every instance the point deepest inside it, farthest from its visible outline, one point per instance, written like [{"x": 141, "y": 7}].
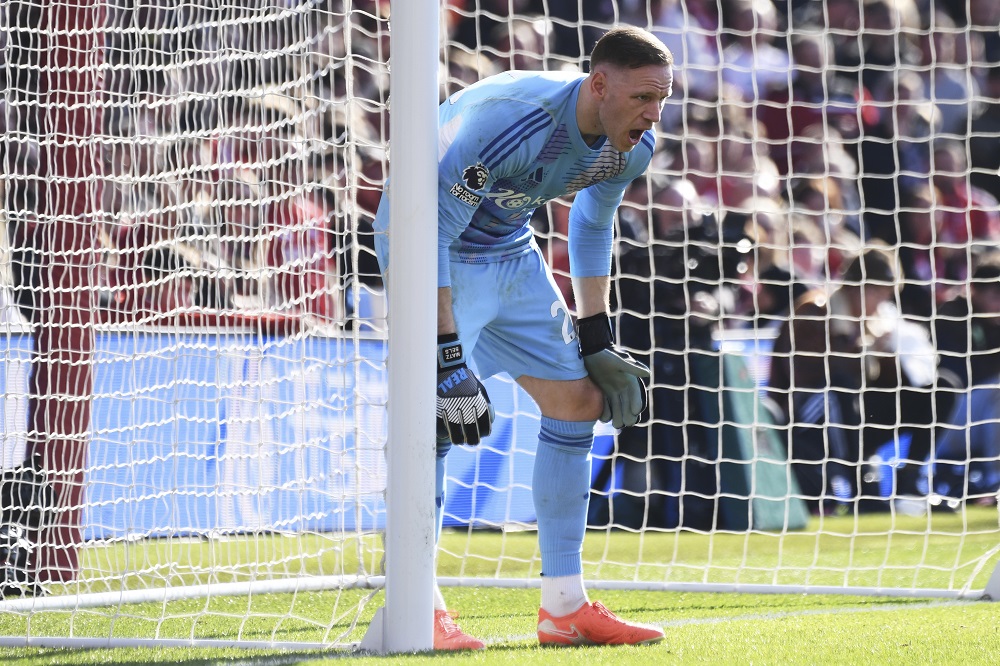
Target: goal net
[{"x": 193, "y": 348}]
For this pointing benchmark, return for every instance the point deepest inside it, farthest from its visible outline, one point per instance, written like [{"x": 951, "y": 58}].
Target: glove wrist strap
[
  {"x": 595, "y": 334},
  {"x": 449, "y": 353}
]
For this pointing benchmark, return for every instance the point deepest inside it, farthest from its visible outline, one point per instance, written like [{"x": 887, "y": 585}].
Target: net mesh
[
  {"x": 194, "y": 330},
  {"x": 189, "y": 268}
]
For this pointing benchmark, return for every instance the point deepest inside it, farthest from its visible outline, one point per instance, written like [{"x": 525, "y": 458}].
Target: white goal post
[{"x": 219, "y": 407}]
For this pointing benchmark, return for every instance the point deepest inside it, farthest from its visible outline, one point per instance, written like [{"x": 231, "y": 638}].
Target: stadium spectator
[
  {"x": 836, "y": 373},
  {"x": 808, "y": 249},
  {"x": 984, "y": 136},
  {"x": 691, "y": 31},
  {"x": 982, "y": 18},
  {"x": 895, "y": 151},
  {"x": 775, "y": 295},
  {"x": 751, "y": 61},
  {"x": 513, "y": 143},
  {"x": 671, "y": 295},
  {"x": 466, "y": 67},
  {"x": 22, "y": 192},
  {"x": 888, "y": 35},
  {"x": 966, "y": 461},
  {"x": 948, "y": 83},
  {"x": 300, "y": 249},
  {"x": 969, "y": 215},
  {"x": 696, "y": 161},
  {"x": 717, "y": 153},
  {"x": 575, "y": 26},
  {"x": 522, "y": 44},
  {"x": 746, "y": 169},
  {"x": 967, "y": 328},
  {"x": 918, "y": 220},
  {"x": 816, "y": 101},
  {"x": 841, "y": 20},
  {"x": 819, "y": 199},
  {"x": 763, "y": 246},
  {"x": 170, "y": 285},
  {"x": 474, "y": 24},
  {"x": 676, "y": 206},
  {"x": 820, "y": 151}
]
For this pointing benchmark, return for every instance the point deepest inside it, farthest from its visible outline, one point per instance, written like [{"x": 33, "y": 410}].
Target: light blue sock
[
  {"x": 440, "y": 465},
  {"x": 561, "y": 492}
]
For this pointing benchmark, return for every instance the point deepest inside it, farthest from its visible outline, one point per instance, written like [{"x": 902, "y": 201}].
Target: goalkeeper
[{"x": 509, "y": 144}]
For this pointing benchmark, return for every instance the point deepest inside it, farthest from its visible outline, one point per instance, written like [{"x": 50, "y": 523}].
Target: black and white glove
[
  {"x": 618, "y": 375},
  {"x": 464, "y": 412}
]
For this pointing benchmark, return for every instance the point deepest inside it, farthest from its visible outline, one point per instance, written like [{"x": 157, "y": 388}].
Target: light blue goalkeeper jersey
[{"x": 507, "y": 145}]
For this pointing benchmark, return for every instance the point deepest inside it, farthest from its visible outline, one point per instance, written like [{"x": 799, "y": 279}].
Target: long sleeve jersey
[{"x": 509, "y": 144}]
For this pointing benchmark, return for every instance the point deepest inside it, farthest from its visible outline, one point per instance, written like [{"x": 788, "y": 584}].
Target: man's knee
[
  {"x": 593, "y": 402},
  {"x": 576, "y": 400}
]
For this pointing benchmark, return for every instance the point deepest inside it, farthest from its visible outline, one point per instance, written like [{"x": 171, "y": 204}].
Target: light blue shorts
[{"x": 512, "y": 318}]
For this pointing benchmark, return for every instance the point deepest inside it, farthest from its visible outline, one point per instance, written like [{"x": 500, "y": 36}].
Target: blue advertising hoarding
[{"x": 202, "y": 433}]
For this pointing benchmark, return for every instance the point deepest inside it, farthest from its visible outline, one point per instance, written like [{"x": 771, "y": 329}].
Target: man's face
[{"x": 631, "y": 101}]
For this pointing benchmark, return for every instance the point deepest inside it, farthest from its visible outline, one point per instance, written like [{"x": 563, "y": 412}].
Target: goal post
[
  {"x": 412, "y": 288},
  {"x": 233, "y": 408}
]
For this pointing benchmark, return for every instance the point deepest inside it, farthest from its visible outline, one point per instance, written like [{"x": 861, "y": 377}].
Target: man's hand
[
  {"x": 618, "y": 375},
  {"x": 464, "y": 412}
]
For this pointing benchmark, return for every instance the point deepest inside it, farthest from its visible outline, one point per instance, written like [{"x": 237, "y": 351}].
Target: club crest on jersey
[{"x": 476, "y": 176}]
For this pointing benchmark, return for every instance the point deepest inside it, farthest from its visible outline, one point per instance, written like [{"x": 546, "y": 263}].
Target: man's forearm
[
  {"x": 591, "y": 295},
  {"x": 446, "y": 316}
]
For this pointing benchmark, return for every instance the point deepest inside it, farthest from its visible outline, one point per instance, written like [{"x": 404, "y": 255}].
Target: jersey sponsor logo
[
  {"x": 475, "y": 176},
  {"x": 512, "y": 200},
  {"x": 464, "y": 195}
]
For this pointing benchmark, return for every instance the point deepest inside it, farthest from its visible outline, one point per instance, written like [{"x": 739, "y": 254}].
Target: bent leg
[
  {"x": 573, "y": 400},
  {"x": 561, "y": 492},
  {"x": 561, "y": 486}
]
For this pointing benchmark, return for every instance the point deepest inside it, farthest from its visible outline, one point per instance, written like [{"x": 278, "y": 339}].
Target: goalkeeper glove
[
  {"x": 618, "y": 375},
  {"x": 464, "y": 412}
]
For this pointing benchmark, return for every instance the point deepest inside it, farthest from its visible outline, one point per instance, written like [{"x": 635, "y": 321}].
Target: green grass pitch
[{"x": 702, "y": 628}]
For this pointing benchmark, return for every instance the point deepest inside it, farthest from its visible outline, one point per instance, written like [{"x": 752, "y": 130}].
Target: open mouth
[{"x": 634, "y": 136}]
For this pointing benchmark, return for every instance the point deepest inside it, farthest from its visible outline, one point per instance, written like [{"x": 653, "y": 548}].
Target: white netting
[
  {"x": 189, "y": 224},
  {"x": 188, "y": 208},
  {"x": 799, "y": 135}
]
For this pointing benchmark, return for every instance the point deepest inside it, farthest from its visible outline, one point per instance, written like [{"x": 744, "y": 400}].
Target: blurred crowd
[
  {"x": 826, "y": 180},
  {"x": 247, "y": 149}
]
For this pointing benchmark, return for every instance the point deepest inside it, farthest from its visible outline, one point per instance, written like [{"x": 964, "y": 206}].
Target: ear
[{"x": 598, "y": 84}]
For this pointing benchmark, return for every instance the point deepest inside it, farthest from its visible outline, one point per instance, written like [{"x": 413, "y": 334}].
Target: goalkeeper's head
[
  {"x": 630, "y": 79},
  {"x": 629, "y": 47}
]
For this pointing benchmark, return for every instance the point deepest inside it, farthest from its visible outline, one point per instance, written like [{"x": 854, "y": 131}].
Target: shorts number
[{"x": 568, "y": 333}]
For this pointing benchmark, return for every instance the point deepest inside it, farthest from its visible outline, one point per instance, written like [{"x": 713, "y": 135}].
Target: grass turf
[{"x": 701, "y": 627}]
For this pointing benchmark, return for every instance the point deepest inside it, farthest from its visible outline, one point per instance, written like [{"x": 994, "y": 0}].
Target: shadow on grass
[{"x": 62, "y": 657}]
